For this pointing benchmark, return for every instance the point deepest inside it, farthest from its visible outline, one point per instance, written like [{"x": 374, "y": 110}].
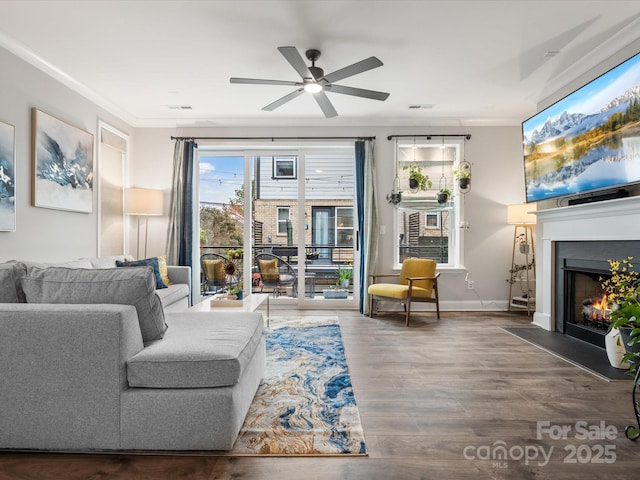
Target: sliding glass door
[
  {"x": 299, "y": 210},
  {"x": 222, "y": 218},
  {"x": 329, "y": 239}
]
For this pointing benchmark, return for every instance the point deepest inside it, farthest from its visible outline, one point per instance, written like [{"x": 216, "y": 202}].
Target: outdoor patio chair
[
  {"x": 215, "y": 270},
  {"x": 276, "y": 274}
]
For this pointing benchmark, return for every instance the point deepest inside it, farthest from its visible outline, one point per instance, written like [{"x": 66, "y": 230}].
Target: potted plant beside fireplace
[
  {"x": 622, "y": 289},
  {"x": 625, "y": 317}
]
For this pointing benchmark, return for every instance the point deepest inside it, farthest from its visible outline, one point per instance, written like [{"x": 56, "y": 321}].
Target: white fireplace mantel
[{"x": 617, "y": 219}]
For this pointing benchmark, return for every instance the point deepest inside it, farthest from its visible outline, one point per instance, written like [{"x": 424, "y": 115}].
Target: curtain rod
[
  {"x": 273, "y": 139},
  {"x": 428, "y": 136}
]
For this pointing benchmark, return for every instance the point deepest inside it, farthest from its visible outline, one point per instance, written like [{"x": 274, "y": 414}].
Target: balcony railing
[{"x": 323, "y": 261}]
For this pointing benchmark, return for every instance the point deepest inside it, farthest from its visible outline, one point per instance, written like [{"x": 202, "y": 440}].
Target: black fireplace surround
[{"x": 585, "y": 260}]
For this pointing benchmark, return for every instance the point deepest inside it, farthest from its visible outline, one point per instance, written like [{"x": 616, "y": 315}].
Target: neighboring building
[{"x": 329, "y": 206}]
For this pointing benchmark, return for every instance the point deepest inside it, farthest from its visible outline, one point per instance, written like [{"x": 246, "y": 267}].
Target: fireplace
[
  {"x": 581, "y": 308},
  {"x": 586, "y": 315},
  {"x": 610, "y": 221}
]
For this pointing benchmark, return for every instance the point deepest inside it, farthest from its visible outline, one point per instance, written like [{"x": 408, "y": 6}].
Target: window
[
  {"x": 424, "y": 228},
  {"x": 285, "y": 167},
  {"x": 344, "y": 226},
  {"x": 283, "y": 220},
  {"x": 432, "y": 220}
]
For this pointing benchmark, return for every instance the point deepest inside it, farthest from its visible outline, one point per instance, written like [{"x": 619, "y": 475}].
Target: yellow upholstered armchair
[{"x": 416, "y": 282}]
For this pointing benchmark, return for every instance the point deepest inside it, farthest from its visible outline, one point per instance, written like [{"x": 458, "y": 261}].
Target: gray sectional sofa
[
  {"x": 174, "y": 298},
  {"x": 91, "y": 360}
]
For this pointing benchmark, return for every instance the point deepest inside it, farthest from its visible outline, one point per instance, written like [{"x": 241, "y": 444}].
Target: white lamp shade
[
  {"x": 521, "y": 214},
  {"x": 143, "y": 201}
]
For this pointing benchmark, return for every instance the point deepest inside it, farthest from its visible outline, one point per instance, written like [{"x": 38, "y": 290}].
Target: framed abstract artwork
[
  {"x": 62, "y": 165},
  {"x": 7, "y": 177}
]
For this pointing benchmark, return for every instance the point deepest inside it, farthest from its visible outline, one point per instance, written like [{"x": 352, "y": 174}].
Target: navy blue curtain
[
  {"x": 181, "y": 221},
  {"x": 360, "y": 159},
  {"x": 185, "y": 251}
]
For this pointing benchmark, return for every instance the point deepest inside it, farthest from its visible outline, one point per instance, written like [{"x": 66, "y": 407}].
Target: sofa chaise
[{"x": 123, "y": 374}]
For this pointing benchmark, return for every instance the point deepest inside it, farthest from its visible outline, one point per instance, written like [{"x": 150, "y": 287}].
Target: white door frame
[{"x": 103, "y": 126}]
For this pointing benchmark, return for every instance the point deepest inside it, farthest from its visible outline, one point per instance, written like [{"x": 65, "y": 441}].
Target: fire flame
[
  {"x": 602, "y": 304},
  {"x": 601, "y": 309}
]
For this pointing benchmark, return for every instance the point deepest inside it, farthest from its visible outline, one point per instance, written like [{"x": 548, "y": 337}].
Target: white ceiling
[{"x": 477, "y": 62}]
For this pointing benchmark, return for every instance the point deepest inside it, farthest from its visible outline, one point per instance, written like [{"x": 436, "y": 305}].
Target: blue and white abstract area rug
[{"x": 305, "y": 404}]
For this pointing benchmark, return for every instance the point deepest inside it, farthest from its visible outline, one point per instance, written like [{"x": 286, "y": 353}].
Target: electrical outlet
[{"x": 470, "y": 284}]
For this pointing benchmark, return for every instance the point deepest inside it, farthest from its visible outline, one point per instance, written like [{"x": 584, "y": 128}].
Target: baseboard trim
[{"x": 451, "y": 305}]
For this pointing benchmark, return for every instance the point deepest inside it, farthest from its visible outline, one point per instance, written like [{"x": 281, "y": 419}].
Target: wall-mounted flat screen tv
[{"x": 589, "y": 140}]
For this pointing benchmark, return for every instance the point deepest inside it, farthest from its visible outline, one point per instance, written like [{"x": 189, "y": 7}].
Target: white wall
[
  {"x": 496, "y": 155},
  {"x": 152, "y": 168},
  {"x": 44, "y": 234}
]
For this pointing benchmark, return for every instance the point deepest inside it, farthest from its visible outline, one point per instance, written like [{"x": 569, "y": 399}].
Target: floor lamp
[
  {"x": 143, "y": 202},
  {"x": 522, "y": 217}
]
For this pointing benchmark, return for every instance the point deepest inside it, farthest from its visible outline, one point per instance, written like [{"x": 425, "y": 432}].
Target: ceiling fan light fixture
[
  {"x": 316, "y": 82},
  {"x": 312, "y": 87}
]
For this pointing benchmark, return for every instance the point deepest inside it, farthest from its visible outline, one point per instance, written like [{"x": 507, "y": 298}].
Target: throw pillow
[
  {"x": 164, "y": 272},
  {"x": 125, "y": 286},
  {"x": 147, "y": 262},
  {"x": 108, "y": 261},
  {"x": 11, "y": 274},
  {"x": 214, "y": 270},
  {"x": 78, "y": 263},
  {"x": 269, "y": 270}
]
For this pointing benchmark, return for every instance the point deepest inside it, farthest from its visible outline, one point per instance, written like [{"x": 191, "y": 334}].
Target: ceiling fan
[{"x": 316, "y": 82}]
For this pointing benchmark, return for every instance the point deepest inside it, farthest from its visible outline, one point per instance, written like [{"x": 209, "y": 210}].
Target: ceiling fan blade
[
  {"x": 260, "y": 81},
  {"x": 283, "y": 100},
  {"x": 325, "y": 104},
  {"x": 297, "y": 62},
  {"x": 354, "y": 69},
  {"x": 358, "y": 92}
]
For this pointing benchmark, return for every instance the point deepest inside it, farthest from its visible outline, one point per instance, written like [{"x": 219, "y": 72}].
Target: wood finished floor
[{"x": 425, "y": 393}]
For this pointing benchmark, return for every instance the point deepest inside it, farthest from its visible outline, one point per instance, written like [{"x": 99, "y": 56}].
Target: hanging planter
[
  {"x": 443, "y": 196},
  {"x": 417, "y": 179},
  {"x": 395, "y": 197},
  {"x": 463, "y": 176},
  {"x": 444, "y": 193}
]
